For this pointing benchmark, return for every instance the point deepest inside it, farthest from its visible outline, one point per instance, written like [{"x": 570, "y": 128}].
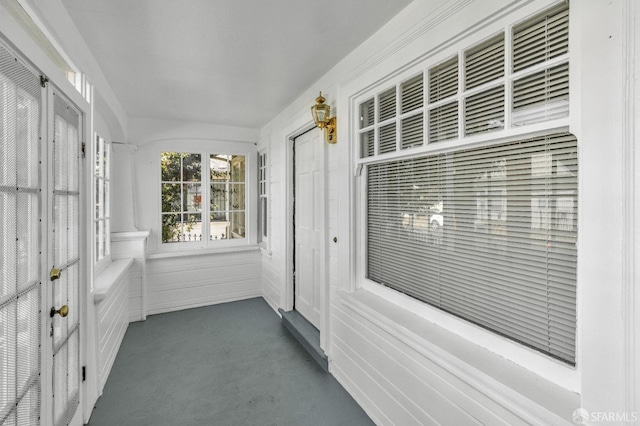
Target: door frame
[{"x": 288, "y": 300}]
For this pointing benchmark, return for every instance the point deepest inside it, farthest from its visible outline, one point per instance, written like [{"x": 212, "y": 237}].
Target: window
[
  {"x": 263, "y": 224},
  {"x": 103, "y": 208},
  {"x": 185, "y": 206},
  {"x": 485, "y": 232}
]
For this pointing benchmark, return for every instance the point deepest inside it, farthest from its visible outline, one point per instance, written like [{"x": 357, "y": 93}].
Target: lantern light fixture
[{"x": 321, "y": 113}]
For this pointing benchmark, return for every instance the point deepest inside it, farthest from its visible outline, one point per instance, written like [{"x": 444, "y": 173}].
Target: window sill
[
  {"x": 203, "y": 252},
  {"x": 530, "y": 396},
  {"x": 110, "y": 275}
]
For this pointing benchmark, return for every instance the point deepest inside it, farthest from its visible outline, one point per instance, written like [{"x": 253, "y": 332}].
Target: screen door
[{"x": 65, "y": 250}]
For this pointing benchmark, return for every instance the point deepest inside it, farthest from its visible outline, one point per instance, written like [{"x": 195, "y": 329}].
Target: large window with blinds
[{"x": 471, "y": 185}]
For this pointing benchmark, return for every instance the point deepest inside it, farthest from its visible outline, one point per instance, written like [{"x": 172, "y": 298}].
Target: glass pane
[
  {"x": 218, "y": 226},
  {"x": 237, "y": 168},
  {"x": 171, "y": 228},
  {"x": 192, "y": 166},
  {"x": 171, "y": 197},
  {"x": 367, "y": 144},
  {"x": 170, "y": 166},
  {"x": 236, "y": 225},
  {"x": 237, "y": 196},
  {"x": 191, "y": 197},
  {"x": 192, "y": 227},
  {"x": 366, "y": 113},
  {"x": 219, "y": 167},
  {"x": 218, "y": 196},
  {"x": 99, "y": 145}
]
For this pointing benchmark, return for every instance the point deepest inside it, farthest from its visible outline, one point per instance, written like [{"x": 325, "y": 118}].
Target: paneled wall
[{"x": 182, "y": 282}]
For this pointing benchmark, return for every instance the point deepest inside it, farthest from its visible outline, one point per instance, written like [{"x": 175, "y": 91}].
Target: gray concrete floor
[{"x": 228, "y": 364}]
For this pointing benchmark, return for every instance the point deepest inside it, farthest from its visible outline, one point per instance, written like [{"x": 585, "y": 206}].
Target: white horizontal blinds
[
  {"x": 412, "y": 94},
  {"x": 541, "y": 38},
  {"x": 367, "y": 144},
  {"x": 412, "y": 131},
  {"x": 484, "y": 63},
  {"x": 443, "y": 80},
  {"x": 443, "y": 122},
  {"x": 504, "y": 256},
  {"x": 367, "y": 119},
  {"x": 412, "y": 99},
  {"x": 387, "y": 105},
  {"x": 387, "y": 139},
  {"x": 484, "y": 111},
  {"x": 543, "y": 95},
  {"x": 20, "y": 242},
  {"x": 443, "y": 84},
  {"x": 386, "y": 111}
]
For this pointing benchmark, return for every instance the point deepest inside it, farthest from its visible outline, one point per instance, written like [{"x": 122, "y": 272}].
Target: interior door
[
  {"x": 65, "y": 260},
  {"x": 309, "y": 223},
  {"x": 21, "y": 126}
]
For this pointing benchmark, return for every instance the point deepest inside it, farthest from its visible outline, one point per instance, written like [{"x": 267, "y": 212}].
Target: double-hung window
[
  {"x": 470, "y": 185},
  {"x": 263, "y": 199},
  {"x": 202, "y": 198}
]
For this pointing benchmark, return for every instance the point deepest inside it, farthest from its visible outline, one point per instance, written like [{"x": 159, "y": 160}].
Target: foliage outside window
[
  {"x": 103, "y": 210},
  {"x": 186, "y": 207}
]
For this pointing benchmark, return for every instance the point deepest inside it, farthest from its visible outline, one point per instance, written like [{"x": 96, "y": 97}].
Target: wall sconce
[{"x": 321, "y": 114}]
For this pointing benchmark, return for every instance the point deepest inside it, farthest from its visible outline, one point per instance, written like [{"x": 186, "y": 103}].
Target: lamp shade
[{"x": 320, "y": 112}]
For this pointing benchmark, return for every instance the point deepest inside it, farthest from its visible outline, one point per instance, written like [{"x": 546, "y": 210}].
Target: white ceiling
[{"x": 233, "y": 62}]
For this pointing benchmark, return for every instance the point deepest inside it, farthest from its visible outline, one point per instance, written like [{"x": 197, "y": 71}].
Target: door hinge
[
  {"x": 84, "y": 150},
  {"x": 43, "y": 81},
  {"x": 84, "y": 373}
]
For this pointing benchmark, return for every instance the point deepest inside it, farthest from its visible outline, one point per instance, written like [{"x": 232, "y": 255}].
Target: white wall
[{"x": 406, "y": 370}]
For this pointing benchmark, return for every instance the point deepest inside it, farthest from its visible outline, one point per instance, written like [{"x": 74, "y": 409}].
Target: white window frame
[
  {"x": 554, "y": 370},
  {"x": 263, "y": 198},
  {"x": 102, "y": 185},
  {"x": 206, "y": 243}
]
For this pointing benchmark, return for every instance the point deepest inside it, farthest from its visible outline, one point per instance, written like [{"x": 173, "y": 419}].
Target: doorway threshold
[{"x": 306, "y": 334}]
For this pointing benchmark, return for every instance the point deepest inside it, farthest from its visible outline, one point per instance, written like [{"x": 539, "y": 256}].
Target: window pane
[
  {"x": 237, "y": 168},
  {"x": 237, "y": 196},
  {"x": 366, "y": 113},
  {"x": 218, "y": 197},
  {"x": 192, "y": 227},
  {"x": 487, "y": 234},
  {"x": 170, "y": 166},
  {"x": 171, "y": 228},
  {"x": 171, "y": 197},
  {"x": 219, "y": 167},
  {"x": 219, "y": 226},
  {"x": 192, "y": 166},
  {"x": 192, "y": 197}
]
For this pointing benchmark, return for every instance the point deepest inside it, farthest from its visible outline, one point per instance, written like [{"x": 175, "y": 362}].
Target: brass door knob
[
  {"x": 63, "y": 311},
  {"x": 54, "y": 274}
]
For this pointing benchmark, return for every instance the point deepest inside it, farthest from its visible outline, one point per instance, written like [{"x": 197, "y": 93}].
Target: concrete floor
[{"x": 228, "y": 364}]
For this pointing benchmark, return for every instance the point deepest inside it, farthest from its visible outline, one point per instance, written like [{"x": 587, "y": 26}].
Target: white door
[
  {"x": 64, "y": 189},
  {"x": 309, "y": 223},
  {"x": 39, "y": 230}
]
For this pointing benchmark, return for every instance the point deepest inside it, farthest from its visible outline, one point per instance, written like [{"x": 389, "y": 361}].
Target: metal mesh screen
[
  {"x": 20, "y": 119},
  {"x": 66, "y": 258}
]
